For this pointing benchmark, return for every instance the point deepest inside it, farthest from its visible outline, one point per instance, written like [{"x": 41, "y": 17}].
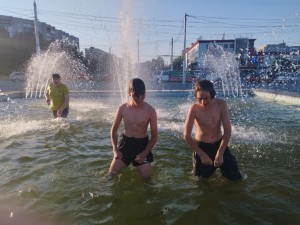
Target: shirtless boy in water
[
  {"x": 135, "y": 146},
  {"x": 210, "y": 144}
]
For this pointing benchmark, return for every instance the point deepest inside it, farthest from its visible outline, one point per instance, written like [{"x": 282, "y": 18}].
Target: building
[
  {"x": 240, "y": 46},
  {"x": 282, "y": 48},
  {"x": 47, "y": 32},
  {"x": 273, "y": 52}
]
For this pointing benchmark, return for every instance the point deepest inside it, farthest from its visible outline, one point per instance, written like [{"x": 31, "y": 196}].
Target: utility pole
[
  {"x": 37, "y": 39},
  {"x": 171, "y": 60},
  {"x": 184, "y": 53},
  {"x": 110, "y": 62},
  {"x": 138, "y": 48}
]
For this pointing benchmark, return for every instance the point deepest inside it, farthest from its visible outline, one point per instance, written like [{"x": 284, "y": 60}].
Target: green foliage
[
  {"x": 157, "y": 64},
  {"x": 72, "y": 50},
  {"x": 178, "y": 63}
]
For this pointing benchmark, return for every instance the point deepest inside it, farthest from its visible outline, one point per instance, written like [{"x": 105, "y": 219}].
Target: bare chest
[{"x": 208, "y": 118}]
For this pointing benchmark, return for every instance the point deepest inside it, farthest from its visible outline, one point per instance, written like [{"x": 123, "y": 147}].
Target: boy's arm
[
  {"x": 226, "y": 135},
  {"x": 153, "y": 131},
  {"x": 153, "y": 139},
  {"x": 114, "y": 133},
  {"x": 64, "y": 105}
]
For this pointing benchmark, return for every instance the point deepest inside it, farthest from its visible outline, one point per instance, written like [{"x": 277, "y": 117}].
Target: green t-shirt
[{"x": 57, "y": 95}]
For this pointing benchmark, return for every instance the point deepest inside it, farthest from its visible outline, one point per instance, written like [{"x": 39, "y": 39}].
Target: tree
[
  {"x": 178, "y": 63},
  {"x": 158, "y": 64},
  {"x": 72, "y": 50}
]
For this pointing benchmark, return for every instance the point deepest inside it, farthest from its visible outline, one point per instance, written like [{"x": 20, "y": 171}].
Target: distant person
[
  {"x": 209, "y": 145},
  {"x": 135, "y": 146},
  {"x": 57, "y": 96}
]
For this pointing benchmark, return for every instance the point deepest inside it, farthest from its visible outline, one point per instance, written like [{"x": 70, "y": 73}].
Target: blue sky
[{"x": 149, "y": 25}]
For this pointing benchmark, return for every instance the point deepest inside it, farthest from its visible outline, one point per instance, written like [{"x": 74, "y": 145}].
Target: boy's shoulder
[
  {"x": 219, "y": 101},
  {"x": 123, "y": 105},
  {"x": 149, "y": 105},
  {"x": 146, "y": 107},
  {"x": 149, "y": 108},
  {"x": 194, "y": 106}
]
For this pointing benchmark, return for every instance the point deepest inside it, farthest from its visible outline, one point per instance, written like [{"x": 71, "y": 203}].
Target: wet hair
[
  {"x": 205, "y": 85},
  {"x": 55, "y": 76},
  {"x": 137, "y": 86}
]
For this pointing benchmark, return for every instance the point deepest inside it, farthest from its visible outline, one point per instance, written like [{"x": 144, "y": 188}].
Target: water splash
[
  {"x": 222, "y": 65},
  {"x": 53, "y": 60},
  {"x": 125, "y": 68},
  {"x": 14, "y": 127}
]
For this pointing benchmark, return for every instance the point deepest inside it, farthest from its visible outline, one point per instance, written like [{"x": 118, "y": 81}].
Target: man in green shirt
[{"x": 57, "y": 96}]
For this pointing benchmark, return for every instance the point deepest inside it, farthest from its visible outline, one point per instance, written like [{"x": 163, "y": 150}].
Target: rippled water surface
[{"x": 53, "y": 171}]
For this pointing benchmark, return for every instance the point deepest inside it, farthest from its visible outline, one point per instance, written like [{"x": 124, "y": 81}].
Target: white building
[{"x": 241, "y": 46}]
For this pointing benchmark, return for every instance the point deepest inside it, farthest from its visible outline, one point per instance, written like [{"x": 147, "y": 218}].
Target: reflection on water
[{"x": 54, "y": 170}]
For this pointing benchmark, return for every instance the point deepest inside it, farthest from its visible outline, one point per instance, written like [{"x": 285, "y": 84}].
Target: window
[{"x": 225, "y": 45}]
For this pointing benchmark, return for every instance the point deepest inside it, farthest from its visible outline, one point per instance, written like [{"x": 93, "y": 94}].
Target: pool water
[{"x": 52, "y": 171}]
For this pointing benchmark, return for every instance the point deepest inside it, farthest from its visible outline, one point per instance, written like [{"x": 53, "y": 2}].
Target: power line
[
  {"x": 10, "y": 11},
  {"x": 150, "y": 29}
]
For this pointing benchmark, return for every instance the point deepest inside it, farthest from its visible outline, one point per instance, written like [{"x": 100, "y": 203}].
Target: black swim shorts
[
  {"x": 229, "y": 168},
  {"x": 131, "y": 147}
]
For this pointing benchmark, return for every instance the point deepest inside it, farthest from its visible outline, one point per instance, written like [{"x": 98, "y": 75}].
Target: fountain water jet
[
  {"x": 125, "y": 67},
  {"x": 54, "y": 60},
  {"x": 222, "y": 64}
]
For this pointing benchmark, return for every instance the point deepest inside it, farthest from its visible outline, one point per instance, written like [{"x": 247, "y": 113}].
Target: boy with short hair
[
  {"x": 210, "y": 144},
  {"x": 57, "y": 96},
  {"x": 135, "y": 146}
]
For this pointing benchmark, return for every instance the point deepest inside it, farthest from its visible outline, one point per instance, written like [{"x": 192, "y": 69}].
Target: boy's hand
[
  {"x": 205, "y": 159},
  {"x": 118, "y": 154},
  {"x": 140, "y": 158},
  {"x": 218, "y": 160}
]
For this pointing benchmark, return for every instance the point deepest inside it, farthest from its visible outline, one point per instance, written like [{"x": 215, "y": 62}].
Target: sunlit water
[{"x": 53, "y": 171}]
